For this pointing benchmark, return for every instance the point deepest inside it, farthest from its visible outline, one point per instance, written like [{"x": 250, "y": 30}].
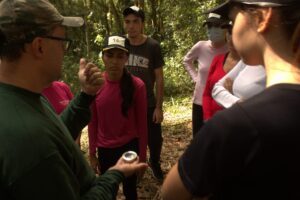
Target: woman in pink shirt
[
  {"x": 203, "y": 53},
  {"x": 119, "y": 114}
]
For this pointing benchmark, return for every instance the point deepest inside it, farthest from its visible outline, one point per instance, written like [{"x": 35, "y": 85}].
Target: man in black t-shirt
[{"x": 146, "y": 62}]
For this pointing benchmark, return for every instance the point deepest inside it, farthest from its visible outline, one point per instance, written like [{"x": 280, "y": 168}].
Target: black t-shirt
[
  {"x": 142, "y": 62},
  {"x": 250, "y": 151}
]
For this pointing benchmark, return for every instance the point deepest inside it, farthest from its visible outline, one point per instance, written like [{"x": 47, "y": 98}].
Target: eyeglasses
[{"x": 66, "y": 41}]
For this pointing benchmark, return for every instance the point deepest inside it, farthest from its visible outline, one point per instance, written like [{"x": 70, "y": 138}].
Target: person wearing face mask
[
  {"x": 251, "y": 150},
  {"x": 203, "y": 53},
  {"x": 215, "y": 33},
  {"x": 220, "y": 66}
]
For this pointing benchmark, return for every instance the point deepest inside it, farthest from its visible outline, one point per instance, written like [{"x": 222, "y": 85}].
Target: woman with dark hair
[
  {"x": 119, "y": 114},
  {"x": 251, "y": 150}
]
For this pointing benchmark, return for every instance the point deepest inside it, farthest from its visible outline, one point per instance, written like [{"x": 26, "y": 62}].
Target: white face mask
[{"x": 215, "y": 34}]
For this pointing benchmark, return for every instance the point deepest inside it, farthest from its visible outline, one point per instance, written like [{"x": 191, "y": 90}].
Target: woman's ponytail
[{"x": 127, "y": 91}]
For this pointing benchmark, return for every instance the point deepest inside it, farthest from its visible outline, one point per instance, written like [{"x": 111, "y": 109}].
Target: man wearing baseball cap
[
  {"x": 146, "y": 62},
  {"x": 38, "y": 157},
  {"x": 250, "y": 151},
  {"x": 136, "y": 11}
]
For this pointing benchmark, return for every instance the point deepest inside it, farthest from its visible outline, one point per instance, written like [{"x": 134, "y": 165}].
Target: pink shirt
[
  {"x": 203, "y": 52},
  {"x": 109, "y": 128},
  {"x": 59, "y": 95},
  {"x": 216, "y": 72}
]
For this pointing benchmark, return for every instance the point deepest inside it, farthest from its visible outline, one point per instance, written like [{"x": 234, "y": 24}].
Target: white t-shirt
[{"x": 247, "y": 82}]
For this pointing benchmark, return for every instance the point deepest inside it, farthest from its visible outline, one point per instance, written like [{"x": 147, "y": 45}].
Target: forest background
[{"x": 176, "y": 24}]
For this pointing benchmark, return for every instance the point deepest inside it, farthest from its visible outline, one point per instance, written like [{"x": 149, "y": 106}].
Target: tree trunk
[{"x": 117, "y": 17}]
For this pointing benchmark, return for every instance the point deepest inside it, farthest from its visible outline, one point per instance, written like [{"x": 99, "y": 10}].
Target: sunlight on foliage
[
  {"x": 177, "y": 110},
  {"x": 176, "y": 24}
]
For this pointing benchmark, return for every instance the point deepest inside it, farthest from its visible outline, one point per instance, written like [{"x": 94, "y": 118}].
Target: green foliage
[
  {"x": 177, "y": 110},
  {"x": 177, "y": 80},
  {"x": 176, "y": 24}
]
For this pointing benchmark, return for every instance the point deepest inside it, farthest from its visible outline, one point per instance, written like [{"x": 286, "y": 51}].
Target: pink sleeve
[
  {"x": 190, "y": 58},
  {"x": 141, "y": 117},
  {"x": 92, "y": 129}
]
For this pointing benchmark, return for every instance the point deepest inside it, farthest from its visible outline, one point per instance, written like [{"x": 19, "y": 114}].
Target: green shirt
[{"x": 38, "y": 156}]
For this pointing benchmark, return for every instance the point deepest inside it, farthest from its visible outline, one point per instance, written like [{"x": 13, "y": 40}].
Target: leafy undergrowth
[{"x": 177, "y": 133}]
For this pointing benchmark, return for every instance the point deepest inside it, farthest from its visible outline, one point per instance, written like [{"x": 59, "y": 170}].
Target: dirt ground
[{"x": 177, "y": 134}]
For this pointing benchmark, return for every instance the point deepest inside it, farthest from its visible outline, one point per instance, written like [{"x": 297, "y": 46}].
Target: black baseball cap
[
  {"x": 116, "y": 42},
  {"x": 223, "y": 9},
  {"x": 215, "y": 18},
  {"x": 134, "y": 10}
]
